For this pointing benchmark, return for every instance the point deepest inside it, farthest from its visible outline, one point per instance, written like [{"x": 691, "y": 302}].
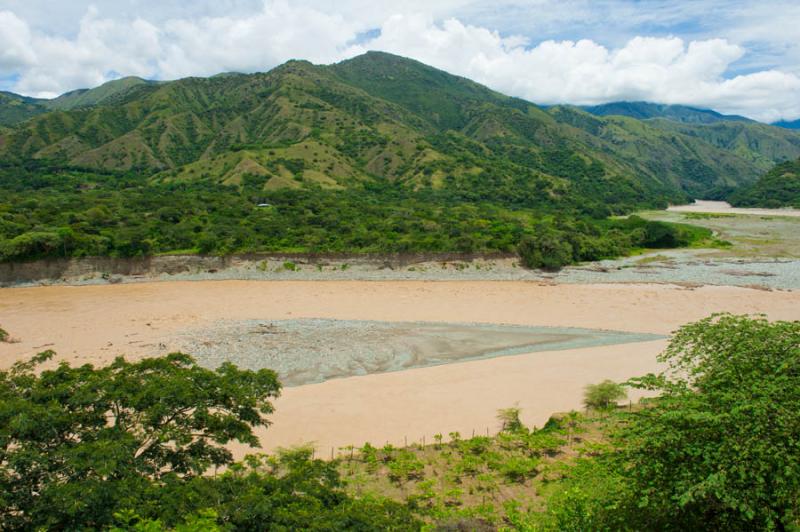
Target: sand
[{"x": 96, "y": 323}]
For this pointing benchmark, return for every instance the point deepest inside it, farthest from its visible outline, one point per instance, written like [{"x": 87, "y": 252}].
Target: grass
[{"x": 479, "y": 476}]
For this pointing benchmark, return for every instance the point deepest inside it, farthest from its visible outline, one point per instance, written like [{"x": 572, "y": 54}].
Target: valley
[{"x": 428, "y": 301}]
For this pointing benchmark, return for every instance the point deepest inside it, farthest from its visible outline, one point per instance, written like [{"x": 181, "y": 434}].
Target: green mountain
[
  {"x": 383, "y": 116},
  {"x": 15, "y": 108},
  {"x": 106, "y": 94},
  {"x": 678, "y": 113},
  {"x": 761, "y": 145},
  {"x": 780, "y": 187}
]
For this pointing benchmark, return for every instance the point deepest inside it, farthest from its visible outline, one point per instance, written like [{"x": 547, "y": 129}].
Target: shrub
[
  {"x": 603, "y": 395},
  {"x": 547, "y": 250},
  {"x": 509, "y": 420}
]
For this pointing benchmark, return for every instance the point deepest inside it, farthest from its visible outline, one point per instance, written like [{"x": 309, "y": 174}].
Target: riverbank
[{"x": 753, "y": 250}]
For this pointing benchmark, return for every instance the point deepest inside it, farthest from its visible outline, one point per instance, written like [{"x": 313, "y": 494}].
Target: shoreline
[{"x": 690, "y": 267}]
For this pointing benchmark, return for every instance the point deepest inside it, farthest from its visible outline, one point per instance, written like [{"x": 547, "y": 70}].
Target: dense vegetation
[
  {"x": 717, "y": 449},
  {"x": 48, "y": 212},
  {"x": 780, "y": 187},
  {"x": 88, "y": 448}
]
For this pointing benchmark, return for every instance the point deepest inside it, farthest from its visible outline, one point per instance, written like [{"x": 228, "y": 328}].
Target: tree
[
  {"x": 548, "y": 249},
  {"x": 603, "y": 395},
  {"x": 720, "y": 448},
  {"x": 78, "y": 444}
]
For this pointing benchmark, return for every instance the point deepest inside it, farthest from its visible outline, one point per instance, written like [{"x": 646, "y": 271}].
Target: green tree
[
  {"x": 78, "y": 444},
  {"x": 547, "y": 249},
  {"x": 720, "y": 449},
  {"x": 603, "y": 395}
]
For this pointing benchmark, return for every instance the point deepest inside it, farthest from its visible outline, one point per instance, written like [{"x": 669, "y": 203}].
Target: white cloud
[
  {"x": 664, "y": 69},
  {"x": 15, "y": 43}
]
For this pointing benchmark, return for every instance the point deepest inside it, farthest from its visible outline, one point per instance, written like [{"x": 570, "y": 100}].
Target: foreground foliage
[
  {"x": 719, "y": 448},
  {"x": 129, "y": 445}
]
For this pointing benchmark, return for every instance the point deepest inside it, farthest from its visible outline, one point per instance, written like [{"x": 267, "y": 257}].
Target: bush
[
  {"x": 509, "y": 420},
  {"x": 603, "y": 395},
  {"x": 547, "y": 250}
]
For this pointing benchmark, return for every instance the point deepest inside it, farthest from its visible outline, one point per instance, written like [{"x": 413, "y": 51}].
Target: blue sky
[{"x": 733, "y": 56}]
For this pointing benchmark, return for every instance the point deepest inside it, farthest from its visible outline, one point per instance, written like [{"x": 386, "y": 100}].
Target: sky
[{"x": 734, "y": 56}]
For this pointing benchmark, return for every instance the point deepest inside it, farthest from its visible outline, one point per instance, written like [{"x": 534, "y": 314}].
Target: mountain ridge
[{"x": 380, "y": 116}]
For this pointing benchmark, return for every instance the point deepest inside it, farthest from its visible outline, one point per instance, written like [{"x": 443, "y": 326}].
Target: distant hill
[
  {"x": 794, "y": 124},
  {"x": 15, "y": 108},
  {"x": 104, "y": 94},
  {"x": 678, "y": 113},
  {"x": 780, "y": 187}
]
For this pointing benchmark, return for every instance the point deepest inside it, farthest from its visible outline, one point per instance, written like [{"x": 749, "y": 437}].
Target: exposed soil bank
[{"x": 105, "y": 269}]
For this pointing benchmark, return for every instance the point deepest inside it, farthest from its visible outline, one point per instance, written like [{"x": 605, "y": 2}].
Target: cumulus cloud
[{"x": 663, "y": 69}]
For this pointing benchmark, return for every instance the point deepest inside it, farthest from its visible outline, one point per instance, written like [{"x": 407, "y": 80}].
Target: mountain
[
  {"x": 794, "y": 124},
  {"x": 759, "y": 144},
  {"x": 677, "y": 113},
  {"x": 380, "y": 116},
  {"x": 105, "y": 94},
  {"x": 780, "y": 187},
  {"x": 15, "y": 108},
  {"x": 376, "y": 154}
]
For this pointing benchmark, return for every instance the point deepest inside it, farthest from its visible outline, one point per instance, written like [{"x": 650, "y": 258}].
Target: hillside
[
  {"x": 780, "y": 187},
  {"x": 15, "y": 109},
  {"x": 760, "y": 145},
  {"x": 381, "y": 116}
]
